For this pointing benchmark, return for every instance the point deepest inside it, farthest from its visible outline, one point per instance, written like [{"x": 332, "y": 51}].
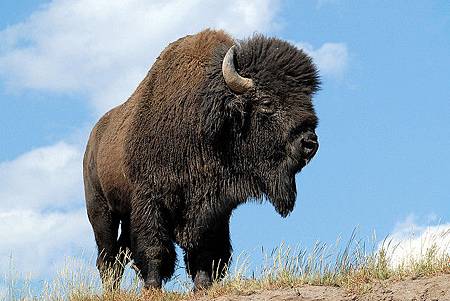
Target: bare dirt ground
[{"x": 435, "y": 288}]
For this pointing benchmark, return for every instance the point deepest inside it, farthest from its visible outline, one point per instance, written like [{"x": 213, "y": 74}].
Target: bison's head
[{"x": 260, "y": 117}]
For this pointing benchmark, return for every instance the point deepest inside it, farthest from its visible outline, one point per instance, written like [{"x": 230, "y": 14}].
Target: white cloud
[
  {"x": 45, "y": 178},
  {"x": 42, "y": 213},
  {"x": 104, "y": 48},
  {"x": 331, "y": 58},
  {"x": 36, "y": 244},
  {"x": 410, "y": 242}
]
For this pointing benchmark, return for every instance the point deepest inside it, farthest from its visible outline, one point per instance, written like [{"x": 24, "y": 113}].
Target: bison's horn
[{"x": 236, "y": 82}]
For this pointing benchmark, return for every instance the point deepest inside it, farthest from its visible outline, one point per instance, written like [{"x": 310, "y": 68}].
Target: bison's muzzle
[{"x": 301, "y": 150}]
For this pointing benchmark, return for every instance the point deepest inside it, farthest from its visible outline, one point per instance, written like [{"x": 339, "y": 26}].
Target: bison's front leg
[
  {"x": 153, "y": 250},
  {"x": 209, "y": 260}
]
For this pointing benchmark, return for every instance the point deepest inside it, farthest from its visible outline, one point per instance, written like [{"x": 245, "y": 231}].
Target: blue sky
[{"x": 384, "y": 112}]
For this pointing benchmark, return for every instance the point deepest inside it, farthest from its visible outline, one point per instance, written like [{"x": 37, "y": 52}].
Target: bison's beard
[{"x": 282, "y": 193}]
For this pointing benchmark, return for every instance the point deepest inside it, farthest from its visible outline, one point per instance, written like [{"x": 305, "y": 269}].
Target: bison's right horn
[{"x": 236, "y": 82}]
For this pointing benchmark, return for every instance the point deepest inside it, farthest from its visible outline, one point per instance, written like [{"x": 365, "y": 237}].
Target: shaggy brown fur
[{"x": 173, "y": 161}]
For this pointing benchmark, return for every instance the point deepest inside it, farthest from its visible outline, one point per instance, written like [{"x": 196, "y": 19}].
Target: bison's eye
[{"x": 266, "y": 106}]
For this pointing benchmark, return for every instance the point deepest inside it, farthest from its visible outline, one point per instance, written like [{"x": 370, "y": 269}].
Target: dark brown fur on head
[{"x": 173, "y": 161}]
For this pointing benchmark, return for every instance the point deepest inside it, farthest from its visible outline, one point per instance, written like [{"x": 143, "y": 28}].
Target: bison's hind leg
[{"x": 106, "y": 225}]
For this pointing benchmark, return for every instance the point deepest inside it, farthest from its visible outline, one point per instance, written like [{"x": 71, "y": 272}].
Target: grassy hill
[{"x": 322, "y": 273}]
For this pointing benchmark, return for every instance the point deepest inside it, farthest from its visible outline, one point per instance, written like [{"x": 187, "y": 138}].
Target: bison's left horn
[{"x": 236, "y": 82}]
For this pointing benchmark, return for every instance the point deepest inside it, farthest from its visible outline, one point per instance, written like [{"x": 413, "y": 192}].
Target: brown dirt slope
[{"x": 435, "y": 288}]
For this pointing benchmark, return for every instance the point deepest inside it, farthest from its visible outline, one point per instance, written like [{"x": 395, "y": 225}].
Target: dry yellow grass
[{"x": 353, "y": 268}]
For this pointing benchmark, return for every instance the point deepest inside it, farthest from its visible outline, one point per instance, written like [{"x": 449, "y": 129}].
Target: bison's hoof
[{"x": 202, "y": 280}]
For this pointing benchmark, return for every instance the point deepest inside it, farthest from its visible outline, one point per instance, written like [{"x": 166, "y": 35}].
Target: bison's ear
[
  {"x": 224, "y": 118},
  {"x": 214, "y": 117}
]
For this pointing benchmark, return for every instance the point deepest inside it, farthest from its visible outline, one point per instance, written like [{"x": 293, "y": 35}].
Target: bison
[{"x": 214, "y": 123}]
